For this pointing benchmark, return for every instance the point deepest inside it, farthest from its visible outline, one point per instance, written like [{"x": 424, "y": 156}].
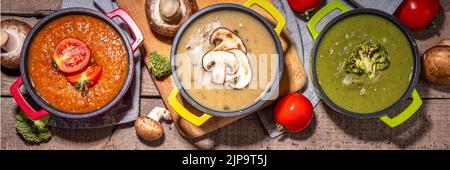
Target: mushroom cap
[
  {"x": 159, "y": 23},
  {"x": 243, "y": 76},
  {"x": 436, "y": 65},
  {"x": 17, "y": 32},
  {"x": 220, "y": 63},
  {"x": 225, "y": 39},
  {"x": 148, "y": 128}
]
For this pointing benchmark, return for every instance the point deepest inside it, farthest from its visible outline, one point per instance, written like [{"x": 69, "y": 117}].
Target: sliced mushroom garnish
[
  {"x": 224, "y": 39},
  {"x": 243, "y": 76},
  {"x": 220, "y": 63}
]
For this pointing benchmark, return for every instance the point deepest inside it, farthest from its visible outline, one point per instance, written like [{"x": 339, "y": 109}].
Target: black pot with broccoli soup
[{"x": 365, "y": 64}]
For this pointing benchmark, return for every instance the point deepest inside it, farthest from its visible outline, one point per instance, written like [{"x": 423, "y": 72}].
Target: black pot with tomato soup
[{"x": 76, "y": 63}]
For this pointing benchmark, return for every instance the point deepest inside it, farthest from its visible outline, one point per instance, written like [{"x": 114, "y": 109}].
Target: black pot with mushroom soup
[{"x": 226, "y": 67}]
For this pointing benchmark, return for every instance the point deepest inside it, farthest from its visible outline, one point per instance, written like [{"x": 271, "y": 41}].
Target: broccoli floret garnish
[
  {"x": 367, "y": 58},
  {"x": 33, "y": 131},
  {"x": 158, "y": 65}
]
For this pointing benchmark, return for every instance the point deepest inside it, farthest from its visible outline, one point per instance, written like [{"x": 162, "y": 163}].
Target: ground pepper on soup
[{"x": 107, "y": 50}]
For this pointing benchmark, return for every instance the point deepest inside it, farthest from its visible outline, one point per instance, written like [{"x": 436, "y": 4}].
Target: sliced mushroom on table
[
  {"x": 165, "y": 17},
  {"x": 13, "y": 34}
]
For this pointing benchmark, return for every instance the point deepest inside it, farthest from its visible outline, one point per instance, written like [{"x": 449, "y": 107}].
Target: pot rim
[
  {"x": 414, "y": 77},
  {"x": 24, "y": 56},
  {"x": 269, "y": 93}
]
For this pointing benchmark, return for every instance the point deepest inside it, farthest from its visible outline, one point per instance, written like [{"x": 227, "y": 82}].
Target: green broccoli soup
[{"x": 364, "y": 63}]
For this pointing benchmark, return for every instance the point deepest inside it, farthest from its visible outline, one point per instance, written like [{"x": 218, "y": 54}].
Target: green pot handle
[
  {"x": 406, "y": 114},
  {"x": 324, "y": 11}
]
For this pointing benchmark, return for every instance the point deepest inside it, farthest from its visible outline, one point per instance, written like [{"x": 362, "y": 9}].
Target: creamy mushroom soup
[{"x": 226, "y": 60}]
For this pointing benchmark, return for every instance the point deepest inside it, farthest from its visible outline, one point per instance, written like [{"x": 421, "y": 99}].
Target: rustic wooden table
[{"x": 427, "y": 129}]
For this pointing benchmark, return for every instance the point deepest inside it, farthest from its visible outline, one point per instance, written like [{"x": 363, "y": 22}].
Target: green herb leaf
[{"x": 158, "y": 65}]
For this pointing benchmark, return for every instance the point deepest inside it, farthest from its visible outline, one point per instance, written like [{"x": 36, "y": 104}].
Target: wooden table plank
[
  {"x": 148, "y": 88},
  {"x": 62, "y": 138},
  {"x": 428, "y": 129},
  {"x": 29, "y": 8}
]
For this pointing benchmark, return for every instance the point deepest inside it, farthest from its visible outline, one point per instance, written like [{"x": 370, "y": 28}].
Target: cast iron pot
[
  {"x": 24, "y": 79},
  {"x": 382, "y": 115},
  {"x": 208, "y": 113}
]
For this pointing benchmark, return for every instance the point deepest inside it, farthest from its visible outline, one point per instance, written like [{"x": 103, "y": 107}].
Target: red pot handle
[
  {"x": 137, "y": 34},
  {"x": 23, "y": 104}
]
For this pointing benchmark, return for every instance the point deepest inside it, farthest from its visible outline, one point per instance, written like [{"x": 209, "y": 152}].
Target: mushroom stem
[
  {"x": 159, "y": 112},
  {"x": 170, "y": 11}
]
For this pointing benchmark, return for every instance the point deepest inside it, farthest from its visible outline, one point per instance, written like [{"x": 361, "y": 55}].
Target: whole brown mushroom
[
  {"x": 436, "y": 64},
  {"x": 148, "y": 127},
  {"x": 165, "y": 17},
  {"x": 13, "y": 34}
]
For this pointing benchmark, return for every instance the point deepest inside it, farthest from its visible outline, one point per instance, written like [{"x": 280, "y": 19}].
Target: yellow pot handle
[
  {"x": 406, "y": 114},
  {"x": 269, "y": 8},
  {"x": 183, "y": 112}
]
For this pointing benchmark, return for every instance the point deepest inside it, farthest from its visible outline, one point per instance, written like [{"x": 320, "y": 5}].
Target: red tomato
[
  {"x": 71, "y": 55},
  {"x": 417, "y": 14},
  {"x": 294, "y": 112},
  {"x": 302, "y": 6},
  {"x": 85, "y": 79}
]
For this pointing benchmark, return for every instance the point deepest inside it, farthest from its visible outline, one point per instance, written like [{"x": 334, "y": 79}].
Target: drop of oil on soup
[
  {"x": 195, "y": 43},
  {"x": 357, "y": 93}
]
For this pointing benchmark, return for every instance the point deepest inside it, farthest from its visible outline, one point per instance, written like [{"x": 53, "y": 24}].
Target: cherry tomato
[
  {"x": 417, "y": 14},
  {"x": 302, "y": 6},
  {"x": 85, "y": 79},
  {"x": 294, "y": 112},
  {"x": 71, "y": 55}
]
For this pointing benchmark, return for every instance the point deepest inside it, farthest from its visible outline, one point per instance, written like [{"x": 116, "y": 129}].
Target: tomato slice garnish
[
  {"x": 86, "y": 79},
  {"x": 71, "y": 55}
]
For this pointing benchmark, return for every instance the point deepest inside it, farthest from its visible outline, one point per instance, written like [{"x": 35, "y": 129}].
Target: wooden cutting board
[{"x": 293, "y": 78}]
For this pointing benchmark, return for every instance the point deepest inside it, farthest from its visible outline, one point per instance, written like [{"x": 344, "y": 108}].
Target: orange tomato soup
[{"x": 107, "y": 50}]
